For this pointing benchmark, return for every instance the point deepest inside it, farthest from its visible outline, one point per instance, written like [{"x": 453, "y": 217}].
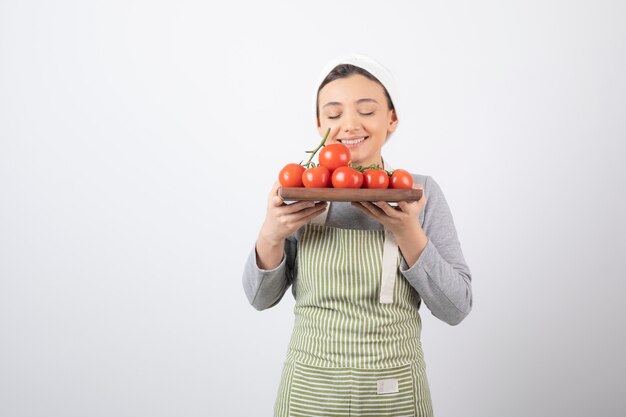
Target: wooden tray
[{"x": 348, "y": 194}]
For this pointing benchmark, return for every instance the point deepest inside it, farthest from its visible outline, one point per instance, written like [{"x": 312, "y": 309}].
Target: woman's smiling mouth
[{"x": 352, "y": 141}]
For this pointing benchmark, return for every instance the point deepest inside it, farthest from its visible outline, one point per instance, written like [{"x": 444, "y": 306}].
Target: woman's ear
[{"x": 393, "y": 121}]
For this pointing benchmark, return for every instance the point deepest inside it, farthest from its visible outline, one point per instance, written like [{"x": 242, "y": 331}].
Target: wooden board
[{"x": 348, "y": 194}]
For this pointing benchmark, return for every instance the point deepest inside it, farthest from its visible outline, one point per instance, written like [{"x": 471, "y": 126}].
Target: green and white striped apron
[{"x": 351, "y": 352}]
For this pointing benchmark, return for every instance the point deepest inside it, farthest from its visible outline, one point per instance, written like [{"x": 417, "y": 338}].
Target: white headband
[{"x": 367, "y": 63}]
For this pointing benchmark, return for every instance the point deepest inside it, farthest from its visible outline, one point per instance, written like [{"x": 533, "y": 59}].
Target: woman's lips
[{"x": 353, "y": 141}]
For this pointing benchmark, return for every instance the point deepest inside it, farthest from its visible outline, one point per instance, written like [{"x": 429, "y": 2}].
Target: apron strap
[
  {"x": 390, "y": 267},
  {"x": 390, "y": 259}
]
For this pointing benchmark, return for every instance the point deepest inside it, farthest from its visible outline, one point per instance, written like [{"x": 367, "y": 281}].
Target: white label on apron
[{"x": 387, "y": 386}]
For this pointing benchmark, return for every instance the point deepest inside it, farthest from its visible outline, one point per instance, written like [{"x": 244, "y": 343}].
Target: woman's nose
[{"x": 351, "y": 122}]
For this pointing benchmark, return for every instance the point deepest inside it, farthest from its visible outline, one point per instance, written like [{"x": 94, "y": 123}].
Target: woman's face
[{"x": 356, "y": 110}]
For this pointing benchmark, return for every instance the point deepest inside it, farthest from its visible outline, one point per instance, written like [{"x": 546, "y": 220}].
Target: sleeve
[
  {"x": 441, "y": 275},
  {"x": 265, "y": 288}
]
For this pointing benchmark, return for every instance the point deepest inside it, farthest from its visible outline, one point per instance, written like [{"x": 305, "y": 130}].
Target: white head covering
[{"x": 367, "y": 63}]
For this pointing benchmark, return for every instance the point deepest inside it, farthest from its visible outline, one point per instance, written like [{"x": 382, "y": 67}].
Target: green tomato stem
[
  {"x": 320, "y": 146},
  {"x": 361, "y": 168}
]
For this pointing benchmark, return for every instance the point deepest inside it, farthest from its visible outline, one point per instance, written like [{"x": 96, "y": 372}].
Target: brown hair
[{"x": 345, "y": 71}]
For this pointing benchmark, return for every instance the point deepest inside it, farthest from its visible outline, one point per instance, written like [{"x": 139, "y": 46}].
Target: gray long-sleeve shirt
[{"x": 440, "y": 276}]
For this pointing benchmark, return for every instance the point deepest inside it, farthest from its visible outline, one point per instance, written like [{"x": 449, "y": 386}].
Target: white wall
[{"x": 139, "y": 140}]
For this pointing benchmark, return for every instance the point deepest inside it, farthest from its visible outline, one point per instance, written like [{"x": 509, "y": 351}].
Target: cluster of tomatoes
[{"x": 334, "y": 170}]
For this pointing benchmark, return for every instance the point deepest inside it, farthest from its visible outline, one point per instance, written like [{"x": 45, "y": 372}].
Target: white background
[{"x": 139, "y": 140}]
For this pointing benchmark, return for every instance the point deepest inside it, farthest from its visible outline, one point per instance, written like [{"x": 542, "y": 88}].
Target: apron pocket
[
  {"x": 322, "y": 391},
  {"x": 383, "y": 392}
]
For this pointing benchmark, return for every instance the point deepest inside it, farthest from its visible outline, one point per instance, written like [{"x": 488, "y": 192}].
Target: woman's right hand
[{"x": 282, "y": 220}]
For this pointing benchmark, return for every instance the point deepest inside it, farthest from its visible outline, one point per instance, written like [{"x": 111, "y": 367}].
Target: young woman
[{"x": 358, "y": 271}]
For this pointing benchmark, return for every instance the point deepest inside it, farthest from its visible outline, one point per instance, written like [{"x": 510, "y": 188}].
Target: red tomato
[
  {"x": 375, "y": 178},
  {"x": 291, "y": 175},
  {"x": 347, "y": 177},
  {"x": 334, "y": 156},
  {"x": 401, "y": 178},
  {"x": 318, "y": 177}
]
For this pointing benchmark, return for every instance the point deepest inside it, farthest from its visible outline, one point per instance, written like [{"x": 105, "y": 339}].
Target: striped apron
[{"x": 351, "y": 354}]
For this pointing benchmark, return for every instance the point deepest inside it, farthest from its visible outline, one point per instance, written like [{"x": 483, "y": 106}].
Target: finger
[
  {"x": 404, "y": 206},
  {"x": 420, "y": 187},
  {"x": 387, "y": 209},
  {"x": 296, "y": 216},
  {"x": 299, "y": 206},
  {"x": 359, "y": 206},
  {"x": 316, "y": 211},
  {"x": 273, "y": 197},
  {"x": 371, "y": 208},
  {"x": 276, "y": 201}
]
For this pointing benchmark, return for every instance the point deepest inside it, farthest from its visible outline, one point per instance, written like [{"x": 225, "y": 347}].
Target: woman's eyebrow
[{"x": 359, "y": 101}]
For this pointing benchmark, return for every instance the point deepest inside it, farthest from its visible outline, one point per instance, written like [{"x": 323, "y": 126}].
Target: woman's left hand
[
  {"x": 403, "y": 222},
  {"x": 400, "y": 220}
]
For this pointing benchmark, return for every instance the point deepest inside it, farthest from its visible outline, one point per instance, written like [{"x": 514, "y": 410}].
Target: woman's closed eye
[{"x": 337, "y": 116}]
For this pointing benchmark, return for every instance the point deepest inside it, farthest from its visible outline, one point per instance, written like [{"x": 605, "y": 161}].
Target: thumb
[
  {"x": 423, "y": 198},
  {"x": 274, "y": 198}
]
